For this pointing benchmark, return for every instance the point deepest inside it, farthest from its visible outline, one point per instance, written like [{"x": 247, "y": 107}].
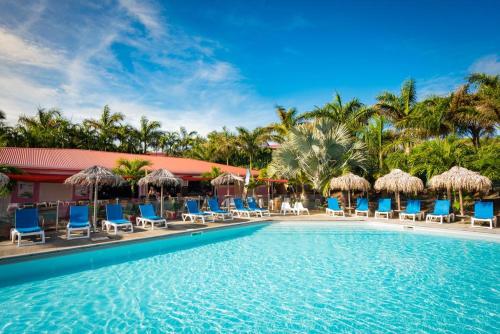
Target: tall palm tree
[
  {"x": 46, "y": 129},
  {"x": 223, "y": 143},
  {"x": 131, "y": 170},
  {"x": 353, "y": 114},
  {"x": 149, "y": 131},
  {"x": 186, "y": 139},
  {"x": 287, "y": 120},
  {"x": 250, "y": 142},
  {"x": 477, "y": 112},
  {"x": 400, "y": 110},
  {"x": 107, "y": 126},
  {"x": 319, "y": 150}
]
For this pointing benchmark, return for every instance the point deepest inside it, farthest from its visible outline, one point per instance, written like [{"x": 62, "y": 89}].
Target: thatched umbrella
[
  {"x": 160, "y": 177},
  {"x": 95, "y": 176},
  {"x": 461, "y": 179},
  {"x": 4, "y": 180},
  {"x": 398, "y": 182},
  {"x": 226, "y": 178},
  {"x": 348, "y": 182}
]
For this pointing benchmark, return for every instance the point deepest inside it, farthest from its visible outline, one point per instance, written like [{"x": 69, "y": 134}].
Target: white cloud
[
  {"x": 145, "y": 13},
  {"x": 440, "y": 86},
  {"x": 19, "y": 51},
  {"x": 489, "y": 64}
]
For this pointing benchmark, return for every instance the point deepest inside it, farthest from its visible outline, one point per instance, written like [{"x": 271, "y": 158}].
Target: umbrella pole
[
  {"x": 95, "y": 206},
  {"x": 57, "y": 214},
  {"x": 461, "y": 202},
  {"x": 161, "y": 201},
  {"x": 349, "y": 197},
  {"x": 399, "y": 200}
]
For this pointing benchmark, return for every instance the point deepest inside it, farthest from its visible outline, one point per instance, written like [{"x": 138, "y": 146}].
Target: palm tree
[
  {"x": 107, "y": 126},
  {"x": 400, "y": 110},
  {"x": 129, "y": 139},
  {"x": 353, "y": 114},
  {"x": 132, "y": 170},
  {"x": 169, "y": 142},
  {"x": 477, "y": 112},
  {"x": 223, "y": 143},
  {"x": 186, "y": 139},
  {"x": 318, "y": 151},
  {"x": 287, "y": 120},
  {"x": 46, "y": 129},
  {"x": 149, "y": 131},
  {"x": 250, "y": 142}
]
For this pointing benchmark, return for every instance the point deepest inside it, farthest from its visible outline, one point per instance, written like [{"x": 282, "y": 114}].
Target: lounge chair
[
  {"x": 334, "y": 207},
  {"x": 114, "y": 218},
  {"x": 215, "y": 210},
  {"x": 148, "y": 216},
  {"x": 384, "y": 208},
  {"x": 78, "y": 222},
  {"x": 195, "y": 214},
  {"x": 252, "y": 205},
  {"x": 299, "y": 208},
  {"x": 483, "y": 212},
  {"x": 285, "y": 208},
  {"x": 412, "y": 210},
  {"x": 361, "y": 207},
  {"x": 240, "y": 209},
  {"x": 26, "y": 224},
  {"x": 441, "y": 212}
]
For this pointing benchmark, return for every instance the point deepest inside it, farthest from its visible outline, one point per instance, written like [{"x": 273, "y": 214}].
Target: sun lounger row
[{"x": 483, "y": 211}]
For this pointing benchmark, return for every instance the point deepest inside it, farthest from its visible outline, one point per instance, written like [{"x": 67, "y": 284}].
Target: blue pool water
[{"x": 276, "y": 278}]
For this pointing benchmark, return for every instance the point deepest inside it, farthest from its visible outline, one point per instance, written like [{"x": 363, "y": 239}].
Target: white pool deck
[{"x": 56, "y": 241}]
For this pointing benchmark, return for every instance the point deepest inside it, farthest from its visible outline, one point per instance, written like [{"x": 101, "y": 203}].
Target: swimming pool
[{"x": 268, "y": 278}]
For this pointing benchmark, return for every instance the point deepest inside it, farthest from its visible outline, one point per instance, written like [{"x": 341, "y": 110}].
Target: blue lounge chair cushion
[
  {"x": 238, "y": 203},
  {"x": 114, "y": 213},
  {"x": 152, "y": 217},
  {"x": 119, "y": 221},
  {"x": 26, "y": 218},
  {"x": 362, "y": 204},
  {"x": 78, "y": 224},
  {"x": 412, "y": 206},
  {"x": 252, "y": 205},
  {"x": 384, "y": 205},
  {"x": 148, "y": 212},
  {"x": 192, "y": 207},
  {"x": 333, "y": 204},
  {"x": 483, "y": 210},
  {"x": 28, "y": 229},
  {"x": 441, "y": 207},
  {"x": 214, "y": 206}
]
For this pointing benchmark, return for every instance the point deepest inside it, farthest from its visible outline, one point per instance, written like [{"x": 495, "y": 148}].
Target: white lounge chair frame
[
  {"x": 331, "y": 212},
  {"x": 286, "y": 207},
  {"x": 141, "y": 221},
  {"x": 430, "y": 218},
  {"x": 70, "y": 230},
  {"x": 106, "y": 225},
  {"x": 387, "y": 214},
  {"x": 299, "y": 208},
  {"x": 196, "y": 216},
  {"x": 492, "y": 221},
  {"x": 221, "y": 215},
  {"x": 414, "y": 216},
  {"x": 16, "y": 234},
  {"x": 362, "y": 213}
]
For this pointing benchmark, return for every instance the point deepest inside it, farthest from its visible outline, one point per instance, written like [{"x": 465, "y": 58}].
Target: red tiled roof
[{"x": 69, "y": 161}]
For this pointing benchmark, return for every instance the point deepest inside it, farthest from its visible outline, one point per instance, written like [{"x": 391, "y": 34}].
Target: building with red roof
[{"x": 45, "y": 169}]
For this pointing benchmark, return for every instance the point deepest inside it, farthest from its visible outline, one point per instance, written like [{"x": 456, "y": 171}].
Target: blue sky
[{"x": 204, "y": 64}]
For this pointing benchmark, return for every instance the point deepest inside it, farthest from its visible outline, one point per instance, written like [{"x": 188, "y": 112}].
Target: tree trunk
[{"x": 398, "y": 200}]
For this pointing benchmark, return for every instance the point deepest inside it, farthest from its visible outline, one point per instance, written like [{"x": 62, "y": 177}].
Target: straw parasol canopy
[
  {"x": 95, "y": 176},
  {"x": 226, "y": 178},
  {"x": 348, "y": 182},
  {"x": 4, "y": 180},
  {"x": 398, "y": 182},
  {"x": 460, "y": 179},
  {"x": 160, "y": 177}
]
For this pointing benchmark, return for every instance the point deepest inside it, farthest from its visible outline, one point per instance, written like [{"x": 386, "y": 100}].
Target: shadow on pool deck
[{"x": 56, "y": 241}]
